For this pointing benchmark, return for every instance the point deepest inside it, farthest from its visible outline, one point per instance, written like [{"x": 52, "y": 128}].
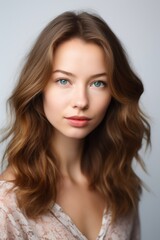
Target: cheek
[
  {"x": 103, "y": 104},
  {"x": 53, "y": 106},
  {"x": 50, "y": 99},
  {"x": 49, "y": 104}
]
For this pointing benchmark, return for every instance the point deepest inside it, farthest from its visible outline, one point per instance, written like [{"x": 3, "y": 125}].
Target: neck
[{"x": 69, "y": 153}]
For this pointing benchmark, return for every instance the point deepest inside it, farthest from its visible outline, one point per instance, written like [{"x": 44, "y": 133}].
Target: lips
[
  {"x": 78, "y": 121},
  {"x": 78, "y": 118}
]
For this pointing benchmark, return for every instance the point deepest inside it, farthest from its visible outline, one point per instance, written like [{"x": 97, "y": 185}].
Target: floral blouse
[{"x": 56, "y": 225}]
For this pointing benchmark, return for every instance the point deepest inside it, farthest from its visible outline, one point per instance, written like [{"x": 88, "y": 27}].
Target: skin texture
[
  {"x": 78, "y": 87},
  {"x": 78, "y": 93}
]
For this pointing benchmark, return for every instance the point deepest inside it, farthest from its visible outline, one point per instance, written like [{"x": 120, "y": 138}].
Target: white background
[{"x": 137, "y": 24}]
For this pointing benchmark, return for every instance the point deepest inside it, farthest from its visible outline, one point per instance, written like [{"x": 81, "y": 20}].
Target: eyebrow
[{"x": 72, "y": 75}]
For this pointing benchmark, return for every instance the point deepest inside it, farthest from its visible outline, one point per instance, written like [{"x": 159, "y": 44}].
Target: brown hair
[{"x": 109, "y": 150}]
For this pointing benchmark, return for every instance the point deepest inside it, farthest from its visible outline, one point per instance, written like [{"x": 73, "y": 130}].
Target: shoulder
[
  {"x": 8, "y": 201},
  {"x": 7, "y": 208},
  {"x": 7, "y": 192},
  {"x": 126, "y": 228},
  {"x": 6, "y": 189},
  {"x": 12, "y": 219}
]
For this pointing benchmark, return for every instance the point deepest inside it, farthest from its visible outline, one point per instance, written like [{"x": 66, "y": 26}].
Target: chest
[{"x": 84, "y": 206}]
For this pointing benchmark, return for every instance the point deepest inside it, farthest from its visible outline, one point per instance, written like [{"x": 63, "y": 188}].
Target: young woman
[{"x": 77, "y": 128}]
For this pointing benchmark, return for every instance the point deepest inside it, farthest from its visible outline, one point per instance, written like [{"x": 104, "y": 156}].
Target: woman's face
[{"x": 77, "y": 95}]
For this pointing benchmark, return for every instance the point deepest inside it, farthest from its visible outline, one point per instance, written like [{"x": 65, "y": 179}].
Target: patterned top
[{"x": 56, "y": 225}]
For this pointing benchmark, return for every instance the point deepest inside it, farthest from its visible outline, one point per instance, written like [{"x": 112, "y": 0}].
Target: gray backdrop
[{"x": 136, "y": 23}]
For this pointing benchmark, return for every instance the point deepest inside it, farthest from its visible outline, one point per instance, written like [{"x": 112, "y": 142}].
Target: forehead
[{"x": 76, "y": 54}]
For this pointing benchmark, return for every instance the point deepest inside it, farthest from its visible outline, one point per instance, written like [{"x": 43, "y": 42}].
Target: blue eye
[
  {"x": 99, "y": 84},
  {"x": 63, "y": 81}
]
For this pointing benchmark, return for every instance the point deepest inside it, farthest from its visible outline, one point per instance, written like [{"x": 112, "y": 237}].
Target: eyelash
[
  {"x": 59, "y": 81},
  {"x": 62, "y": 79},
  {"x": 102, "y": 83}
]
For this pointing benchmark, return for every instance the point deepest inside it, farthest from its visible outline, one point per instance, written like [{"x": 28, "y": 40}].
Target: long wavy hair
[{"x": 108, "y": 151}]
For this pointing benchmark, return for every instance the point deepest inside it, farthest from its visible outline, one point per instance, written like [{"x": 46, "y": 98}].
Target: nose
[{"x": 80, "y": 99}]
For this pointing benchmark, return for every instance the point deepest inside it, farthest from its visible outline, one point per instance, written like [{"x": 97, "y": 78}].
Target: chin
[{"x": 79, "y": 134}]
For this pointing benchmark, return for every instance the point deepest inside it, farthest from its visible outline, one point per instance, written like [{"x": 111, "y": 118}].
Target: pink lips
[{"x": 78, "y": 121}]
